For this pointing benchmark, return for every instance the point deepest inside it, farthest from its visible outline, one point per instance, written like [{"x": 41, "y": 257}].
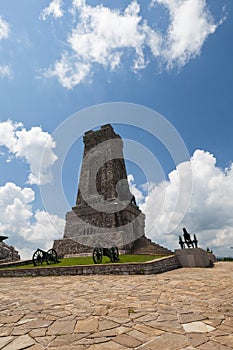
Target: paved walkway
[{"x": 182, "y": 309}]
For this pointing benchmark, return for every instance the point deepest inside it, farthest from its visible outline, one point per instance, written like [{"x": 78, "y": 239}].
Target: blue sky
[{"x": 60, "y": 57}]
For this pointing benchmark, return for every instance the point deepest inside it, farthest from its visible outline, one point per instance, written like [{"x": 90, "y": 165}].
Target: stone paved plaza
[{"x": 181, "y": 309}]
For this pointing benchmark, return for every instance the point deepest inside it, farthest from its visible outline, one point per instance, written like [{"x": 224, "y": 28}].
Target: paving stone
[
  {"x": 90, "y": 341},
  {"x": 87, "y": 325},
  {"x": 100, "y": 311},
  {"x": 214, "y": 323},
  {"x": 67, "y": 339},
  {"x": 45, "y": 341},
  {"x": 199, "y": 327},
  {"x": 167, "y": 326},
  {"x": 127, "y": 341},
  {"x": 107, "y": 333},
  {"x": 148, "y": 330},
  {"x": 40, "y": 332},
  {"x": 21, "y": 330},
  {"x": 225, "y": 340},
  {"x": 68, "y": 347},
  {"x": 212, "y": 345},
  {"x": 35, "y": 347},
  {"x": 216, "y": 333},
  {"x": 169, "y": 341},
  {"x": 5, "y": 331},
  {"x": 10, "y": 318},
  {"x": 107, "y": 324},
  {"x": 123, "y": 329},
  {"x": 167, "y": 317},
  {"x": 111, "y": 345},
  {"x": 25, "y": 320},
  {"x": 60, "y": 327},
  {"x": 38, "y": 323},
  {"x": 5, "y": 340},
  {"x": 21, "y": 342},
  {"x": 147, "y": 318},
  {"x": 58, "y": 310},
  {"x": 143, "y": 337},
  {"x": 197, "y": 339},
  {"x": 190, "y": 317},
  {"x": 118, "y": 320},
  {"x": 61, "y": 313},
  {"x": 120, "y": 313}
]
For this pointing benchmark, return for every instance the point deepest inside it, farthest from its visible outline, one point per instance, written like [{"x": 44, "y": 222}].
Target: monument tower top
[{"x": 103, "y": 165}]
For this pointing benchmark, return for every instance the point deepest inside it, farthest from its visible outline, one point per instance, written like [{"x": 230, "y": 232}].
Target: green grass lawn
[{"x": 127, "y": 258}]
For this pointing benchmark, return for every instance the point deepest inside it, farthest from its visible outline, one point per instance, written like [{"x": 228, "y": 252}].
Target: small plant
[{"x": 131, "y": 311}]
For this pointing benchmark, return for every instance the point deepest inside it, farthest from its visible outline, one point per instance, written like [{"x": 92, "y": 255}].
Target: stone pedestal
[{"x": 194, "y": 257}]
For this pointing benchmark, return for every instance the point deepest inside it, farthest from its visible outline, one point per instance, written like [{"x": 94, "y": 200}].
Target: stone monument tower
[{"x": 106, "y": 212}]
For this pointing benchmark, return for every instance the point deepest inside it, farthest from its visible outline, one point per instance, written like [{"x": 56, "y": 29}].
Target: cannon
[
  {"x": 99, "y": 252},
  {"x": 187, "y": 240},
  {"x": 40, "y": 256}
]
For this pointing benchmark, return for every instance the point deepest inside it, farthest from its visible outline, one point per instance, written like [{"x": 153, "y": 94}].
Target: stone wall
[
  {"x": 194, "y": 257},
  {"x": 147, "y": 268},
  {"x": 8, "y": 253}
]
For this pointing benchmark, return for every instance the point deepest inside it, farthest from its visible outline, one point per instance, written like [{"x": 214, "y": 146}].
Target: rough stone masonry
[{"x": 106, "y": 212}]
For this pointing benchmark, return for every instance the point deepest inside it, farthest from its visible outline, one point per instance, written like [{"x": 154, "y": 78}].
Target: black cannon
[
  {"x": 99, "y": 252},
  {"x": 40, "y": 256},
  {"x": 187, "y": 240}
]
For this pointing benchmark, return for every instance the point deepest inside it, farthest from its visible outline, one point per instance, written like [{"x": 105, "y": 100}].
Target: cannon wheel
[
  {"x": 97, "y": 255},
  {"x": 38, "y": 257},
  {"x": 115, "y": 254},
  {"x": 51, "y": 256}
]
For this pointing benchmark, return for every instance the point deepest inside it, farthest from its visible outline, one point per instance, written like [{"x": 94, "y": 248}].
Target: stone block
[{"x": 193, "y": 257}]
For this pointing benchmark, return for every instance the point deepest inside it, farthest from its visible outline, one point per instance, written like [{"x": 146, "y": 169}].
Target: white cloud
[
  {"x": 112, "y": 37},
  {"x": 68, "y": 71},
  {"x": 34, "y": 146},
  {"x": 5, "y": 71},
  {"x": 103, "y": 36},
  {"x": 191, "y": 23},
  {"x": 4, "y": 29},
  {"x": 134, "y": 190},
  {"x": 209, "y": 214},
  {"x": 26, "y": 230},
  {"x": 54, "y": 9}
]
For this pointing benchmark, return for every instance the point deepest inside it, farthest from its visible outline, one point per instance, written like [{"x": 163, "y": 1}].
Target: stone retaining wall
[{"x": 146, "y": 268}]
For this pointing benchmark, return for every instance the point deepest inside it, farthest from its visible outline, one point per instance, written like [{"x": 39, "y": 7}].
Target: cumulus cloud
[
  {"x": 102, "y": 36},
  {"x": 4, "y": 29},
  {"x": 26, "y": 230},
  {"x": 34, "y": 146},
  {"x": 5, "y": 71},
  {"x": 190, "y": 25},
  {"x": 134, "y": 190},
  {"x": 209, "y": 213},
  {"x": 54, "y": 9}
]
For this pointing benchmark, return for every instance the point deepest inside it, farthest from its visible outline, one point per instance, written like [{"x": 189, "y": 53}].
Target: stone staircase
[{"x": 144, "y": 245}]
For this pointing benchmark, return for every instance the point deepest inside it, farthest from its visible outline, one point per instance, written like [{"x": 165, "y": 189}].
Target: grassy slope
[{"x": 127, "y": 258}]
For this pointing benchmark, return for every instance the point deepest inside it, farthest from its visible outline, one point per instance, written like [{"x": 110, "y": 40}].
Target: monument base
[
  {"x": 67, "y": 248},
  {"x": 7, "y": 253},
  {"x": 194, "y": 257}
]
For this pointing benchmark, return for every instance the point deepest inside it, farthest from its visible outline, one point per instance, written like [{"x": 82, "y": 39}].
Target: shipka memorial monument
[{"x": 106, "y": 212}]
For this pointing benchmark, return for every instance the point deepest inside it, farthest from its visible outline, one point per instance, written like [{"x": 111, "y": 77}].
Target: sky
[{"x": 160, "y": 71}]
